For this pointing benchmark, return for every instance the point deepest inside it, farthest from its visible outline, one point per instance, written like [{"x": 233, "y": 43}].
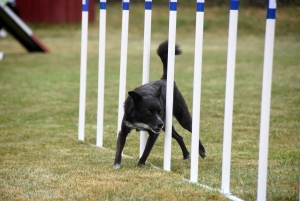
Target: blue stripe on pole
[
  {"x": 200, "y": 7},
  {"x": 234, "y": 5},
  {"x": 173, "y": 6},
  {"x": 125, "y": 6},
  {"x": 103, "y": 5},
  {"x": 85, "y": 7},
  {"x": 271, "y": 13},
  {"x": 148, "y": 5}
]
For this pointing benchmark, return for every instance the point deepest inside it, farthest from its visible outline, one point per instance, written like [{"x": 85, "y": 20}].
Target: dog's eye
[{"x": 149, "y": 112}]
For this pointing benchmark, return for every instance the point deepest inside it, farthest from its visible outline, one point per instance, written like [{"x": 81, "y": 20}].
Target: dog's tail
[{"x": 162, "y": 52}]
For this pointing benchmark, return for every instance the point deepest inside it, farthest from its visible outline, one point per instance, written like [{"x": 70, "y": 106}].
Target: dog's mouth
[
  {"x": 156, "y": 130},
  {"x": 143, "y": 127}
]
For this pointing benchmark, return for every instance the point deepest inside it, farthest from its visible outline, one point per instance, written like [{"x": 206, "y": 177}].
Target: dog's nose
[{"x": 160, "y": 125}]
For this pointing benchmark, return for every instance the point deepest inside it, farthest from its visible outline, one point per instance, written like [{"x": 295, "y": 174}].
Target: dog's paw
[
  {"x": 141, "y": 164},
  {"x": 202, "y": 153},
  {"x": 187, "y": 157},
  {"x": 116, "y": 166}
]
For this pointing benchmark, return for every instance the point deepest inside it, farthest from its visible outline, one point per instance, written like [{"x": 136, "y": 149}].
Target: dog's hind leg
[
  {"x": 149, "y": 145},
  {"x": 181, "y": 113},
  {"x": 120, "y": 146},
  {"x": 179, "y": 139},
  {"x": 186, "y": 123}
]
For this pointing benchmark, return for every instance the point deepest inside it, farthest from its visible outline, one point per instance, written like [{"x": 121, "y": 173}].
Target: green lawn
[{"x": 41, "y": 158}]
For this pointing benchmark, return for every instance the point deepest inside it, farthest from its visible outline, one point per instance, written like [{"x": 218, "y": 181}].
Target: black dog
[{"x": 145, "y": 108}]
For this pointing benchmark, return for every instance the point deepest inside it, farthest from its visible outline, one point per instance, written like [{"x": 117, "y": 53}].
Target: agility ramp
[{"x": 20, "y": 30}]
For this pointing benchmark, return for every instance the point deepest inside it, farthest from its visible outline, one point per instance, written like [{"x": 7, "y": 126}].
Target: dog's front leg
[
  {"x": 120, "y": 146},
  {"x": 149, "y": 145}
]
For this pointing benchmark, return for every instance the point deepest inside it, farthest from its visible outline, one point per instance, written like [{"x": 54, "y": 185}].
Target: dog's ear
[
  {"x": 158, "y": 92},
  {"x": 135, "y": 97}
]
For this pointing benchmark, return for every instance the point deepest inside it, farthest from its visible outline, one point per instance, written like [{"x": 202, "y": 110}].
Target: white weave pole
[
  {"x": 101, "y": 72},
  {"x": 83, "y": 68},
  {"x": 123, "y": 61},
  {"x": 170, "y": 84},
  {"x": 227, "y": 136},
  {"x": 146, "y": 60},
  {"x": 197, "y": 91},
  {"x": 266, "y": 101}
]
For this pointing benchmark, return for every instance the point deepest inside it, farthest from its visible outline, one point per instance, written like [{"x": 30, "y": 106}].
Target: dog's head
[{"x": 147, "y": 113}]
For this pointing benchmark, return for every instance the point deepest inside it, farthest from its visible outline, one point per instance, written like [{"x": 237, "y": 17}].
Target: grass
[{"x": 41, "y": 158}]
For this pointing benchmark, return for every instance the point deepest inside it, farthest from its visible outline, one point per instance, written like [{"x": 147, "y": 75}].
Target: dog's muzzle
[
  {"x": 145, "y": 127},
  {"x": 158, "y": 129}
]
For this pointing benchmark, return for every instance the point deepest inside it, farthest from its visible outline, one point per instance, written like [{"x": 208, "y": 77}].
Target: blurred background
[{"x": 51, "y": 12}]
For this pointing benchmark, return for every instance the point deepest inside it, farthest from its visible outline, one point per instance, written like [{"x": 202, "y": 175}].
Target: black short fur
[{"x": 144, "y": 109}]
